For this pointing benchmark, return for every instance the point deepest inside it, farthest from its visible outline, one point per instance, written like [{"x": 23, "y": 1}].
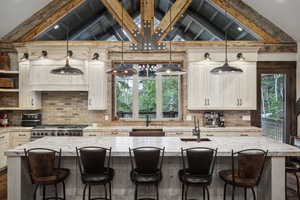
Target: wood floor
[{"x": 3, "y": 187}]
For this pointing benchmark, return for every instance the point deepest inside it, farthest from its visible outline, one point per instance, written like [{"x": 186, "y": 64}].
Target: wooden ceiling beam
[
  {"x": 245, "y": 21},
  {"x": 51, "y": 20},
  {"x": 147, "y": 14},
  {"x": 177, "y": 9},
  {"x": 115, "y": 8}
]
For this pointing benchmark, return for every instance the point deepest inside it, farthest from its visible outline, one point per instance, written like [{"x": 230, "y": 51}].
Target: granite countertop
[
  {"x": 14, "y": 128},
  {"x": 172, "y": 144},
  {"x": 174, "y": 128}
]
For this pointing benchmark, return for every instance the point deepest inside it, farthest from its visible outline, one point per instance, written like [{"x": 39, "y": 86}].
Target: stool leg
[
  {"x": 35, "y": 191},
  {"x": 64, "y": 190},
  {"x": 182, "y": 191},
  {"x": 203, "y": 191},
  {"x": 208, "y": 196},
  {"x": 186, "y": 192},
  {"x": 233, "y": 192},
  {"x": 105, "y": 191},
  {"x": 298, "y": 193},
  {"x": 225, "y": 188},
  {"x": 245, "y": 193},
  {"x": 89, "y": 192},
  {"x": 136, "y": 191},
  {"x": 109, "y": 184},
  {"x": 83, "y": 195},
  {"x": 253, "y": 192},
  {"x": 56, "y": 194},
  {"x": 157, "y": 193},
  {"x": 286, "y": 188},
  {"x": 44, "y": 192}
]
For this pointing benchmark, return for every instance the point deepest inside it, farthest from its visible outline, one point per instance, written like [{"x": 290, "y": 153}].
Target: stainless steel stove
[{"x": 57, "y": 130}]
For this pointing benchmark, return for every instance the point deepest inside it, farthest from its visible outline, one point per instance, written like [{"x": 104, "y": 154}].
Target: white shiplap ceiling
[
  {"x": 283, "y": 13},
  {"x": 14, "y": 12}
]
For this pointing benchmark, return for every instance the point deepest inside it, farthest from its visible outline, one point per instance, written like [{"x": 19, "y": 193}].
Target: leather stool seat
[
  {"x": 59, "y": 175},
  {"x": 98, "y": 178},
  {"x": 145, "y": 178},
  {"x": 226, "y": 175},
  {"x": 189, "y": 178}
]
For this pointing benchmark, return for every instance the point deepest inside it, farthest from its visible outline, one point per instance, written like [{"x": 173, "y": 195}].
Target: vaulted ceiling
[{"x": 203, "y": 20}]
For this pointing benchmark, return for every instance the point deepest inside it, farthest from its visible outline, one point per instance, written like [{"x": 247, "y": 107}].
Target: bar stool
[
  {"x": 292, "y": 166},
  {"x": 44, "y": 170},
  {"x": 198, "y": 166},
  {"x": 94, "y": 166},
  {"x": 247, "y": 174},
  {"x": 146, "y": 167}
]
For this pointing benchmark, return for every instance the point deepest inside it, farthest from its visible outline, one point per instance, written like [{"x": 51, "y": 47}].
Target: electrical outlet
[
  {"x": 246, "y": 118},
  {"x": 106, "y": 117},
  {"x": 188, "y": 118}
]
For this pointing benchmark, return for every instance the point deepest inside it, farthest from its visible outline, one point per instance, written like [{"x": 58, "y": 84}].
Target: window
[{"x": 147, "y": 94}]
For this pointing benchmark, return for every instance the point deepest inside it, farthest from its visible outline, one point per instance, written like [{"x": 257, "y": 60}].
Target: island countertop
[{"x": 173, "y": 145}]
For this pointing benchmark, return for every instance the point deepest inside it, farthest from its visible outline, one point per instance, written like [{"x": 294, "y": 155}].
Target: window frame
[{"x": 159, "y": 97}]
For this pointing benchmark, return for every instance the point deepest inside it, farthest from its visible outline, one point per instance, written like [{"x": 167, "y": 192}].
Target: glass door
[
  {"x": 276, "y": 100},
  {"x": 273, "y": 106}
]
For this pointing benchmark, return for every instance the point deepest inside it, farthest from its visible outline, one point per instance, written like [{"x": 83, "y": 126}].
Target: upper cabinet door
[
  {"x": 97, "y": 86},
  {"x": 248, "y": 86},
  {"x": 28, "y": 99},
  {"x": 231, "y": 89},
  {"x": 214, "y": 88},
  {"x": 197, "y": 86}
]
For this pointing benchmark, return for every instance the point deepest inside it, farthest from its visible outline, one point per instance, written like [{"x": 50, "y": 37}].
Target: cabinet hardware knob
[{"x": 241, "y": 102}]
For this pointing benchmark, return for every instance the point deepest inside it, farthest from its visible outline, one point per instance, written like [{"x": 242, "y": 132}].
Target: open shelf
[
  {"x": 16, "y": 108},
  {"x": 8, "y": 90},
  {"x": 8, "y": 72}
]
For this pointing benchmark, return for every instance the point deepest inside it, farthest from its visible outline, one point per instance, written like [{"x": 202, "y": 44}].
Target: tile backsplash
[{"x": 72, "y": 108}]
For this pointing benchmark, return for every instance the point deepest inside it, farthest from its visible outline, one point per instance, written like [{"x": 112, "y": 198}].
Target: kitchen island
[{"x": 272, "y": 186}]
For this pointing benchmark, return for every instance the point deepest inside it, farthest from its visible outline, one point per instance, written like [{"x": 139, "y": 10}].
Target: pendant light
[
  {"x": 67, "y": 69},
  {"x": 226, "y": 68},
  {"x": 122, "y": 69},
  {"x": 170, "y": 68}
]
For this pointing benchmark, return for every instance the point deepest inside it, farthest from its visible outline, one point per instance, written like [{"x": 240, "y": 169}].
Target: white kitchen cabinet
[
  {"x": 207, "y": 91},
  {"x": 41, "y": 78},
  {"x": 204, "y": 88},
  {"x": 28, "y": 99},
  {"x": 19, "y": 138},
  {"x": 4, "y": 145},
  {"x": 97, "y": 97}
]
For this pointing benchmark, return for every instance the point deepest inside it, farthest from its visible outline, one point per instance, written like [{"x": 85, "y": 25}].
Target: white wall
[{"x": 14, "y": 12}]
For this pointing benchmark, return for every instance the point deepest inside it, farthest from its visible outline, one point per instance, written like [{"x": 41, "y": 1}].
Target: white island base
[{"x": 272, "y": 186}]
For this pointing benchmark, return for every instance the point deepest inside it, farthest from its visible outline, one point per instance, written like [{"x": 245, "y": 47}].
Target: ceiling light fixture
[
  {"x": 240, "y": 29},
  {"x": 56, "y": 26},
  {"x": 122, "y": 69},
  {"x": 226, "y": 68},
  {"x": 67, "y": 69},
  {"x": 170, "y": 68}
]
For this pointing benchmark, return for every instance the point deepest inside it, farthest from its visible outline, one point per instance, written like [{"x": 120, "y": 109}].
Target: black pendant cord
[
  {"x": 122, "y": 31},
  {"x": 226, "y": 45},
  {"x": 170, "y": 32},
  {"x": 67, "y": 46}
]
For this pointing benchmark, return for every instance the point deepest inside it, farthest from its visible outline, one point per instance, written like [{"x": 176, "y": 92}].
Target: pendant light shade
[
  {"x": 170, "y": 69},
  {"x": 226, "y": 68},
  {"x": 122, "y": 70},
  {"x": 67, "y": 69}
]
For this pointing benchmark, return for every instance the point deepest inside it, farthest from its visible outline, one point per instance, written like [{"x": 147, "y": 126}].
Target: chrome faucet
[
  {"x": 148, "y": 121},
  {"x": 196, "y": 130}
]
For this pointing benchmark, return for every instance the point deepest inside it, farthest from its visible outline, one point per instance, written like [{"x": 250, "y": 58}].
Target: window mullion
[
  {"x": 135, "y": 99},
  {"x": 159, "y": 97}
]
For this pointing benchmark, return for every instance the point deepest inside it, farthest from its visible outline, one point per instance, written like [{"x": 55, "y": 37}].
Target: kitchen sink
[
  {"x": 195, "y": 139},
  {"x": 147, "y": 132}
]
